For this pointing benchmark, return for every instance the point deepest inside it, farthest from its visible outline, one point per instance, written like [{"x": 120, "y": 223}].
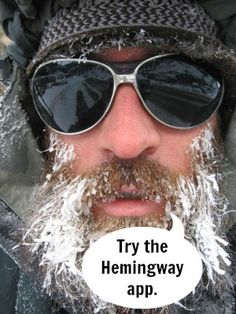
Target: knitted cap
[{"x": 105, "y": 15}]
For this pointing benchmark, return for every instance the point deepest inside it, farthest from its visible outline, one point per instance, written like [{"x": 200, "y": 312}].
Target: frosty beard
[{"x": 62, "y": 224}]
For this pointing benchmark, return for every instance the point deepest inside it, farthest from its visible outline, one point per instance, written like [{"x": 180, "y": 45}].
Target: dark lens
[
  {"x": 72, "y": 96},
  {"x": 178, "y": 91}
]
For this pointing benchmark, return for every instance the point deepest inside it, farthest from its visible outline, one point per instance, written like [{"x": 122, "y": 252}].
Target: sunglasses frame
[{"x": 119, "y": 79}]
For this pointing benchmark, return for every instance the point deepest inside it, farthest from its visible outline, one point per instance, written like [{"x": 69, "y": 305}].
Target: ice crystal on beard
[
  {"x": 58, "y": 237},
  {"x": 64, "y": 153},
  {"x": 201, "y": 206}
]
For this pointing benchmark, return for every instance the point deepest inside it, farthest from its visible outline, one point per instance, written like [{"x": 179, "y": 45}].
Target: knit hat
[{"x": 110, "y": 15}]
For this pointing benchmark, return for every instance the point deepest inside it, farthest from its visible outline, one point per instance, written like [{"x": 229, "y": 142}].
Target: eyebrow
[
  {"x": 136, "y": 55},
  {"x": 123, "y": 67}
]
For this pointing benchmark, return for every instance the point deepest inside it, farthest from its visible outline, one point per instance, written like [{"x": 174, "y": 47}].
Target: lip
[{"x": 129, "y": 208}]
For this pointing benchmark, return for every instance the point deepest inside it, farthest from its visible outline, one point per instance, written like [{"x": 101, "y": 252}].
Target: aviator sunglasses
[{"x": 73, "y": 95}]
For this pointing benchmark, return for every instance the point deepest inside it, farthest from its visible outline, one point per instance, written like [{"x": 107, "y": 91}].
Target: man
[{"x": 134, "y": 99}]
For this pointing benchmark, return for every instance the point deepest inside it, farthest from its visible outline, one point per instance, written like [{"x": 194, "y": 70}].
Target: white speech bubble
[{"x": 129, "y": 276}]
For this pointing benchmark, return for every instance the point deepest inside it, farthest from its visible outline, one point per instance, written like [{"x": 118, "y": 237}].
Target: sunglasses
[{"x": 72, "y": 95}]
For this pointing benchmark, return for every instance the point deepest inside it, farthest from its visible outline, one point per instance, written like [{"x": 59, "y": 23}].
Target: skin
[{"x": 128, "y": 131}]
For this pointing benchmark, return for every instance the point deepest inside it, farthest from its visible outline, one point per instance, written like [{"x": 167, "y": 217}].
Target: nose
[{"x": 128, "y": 131}]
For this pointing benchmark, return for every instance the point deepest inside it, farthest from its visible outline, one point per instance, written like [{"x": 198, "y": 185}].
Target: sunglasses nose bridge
[
  {"x": 130, "y": 79},
  {"x": 124, "y": 78}
]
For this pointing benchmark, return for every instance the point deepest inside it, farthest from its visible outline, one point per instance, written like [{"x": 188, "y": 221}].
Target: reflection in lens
[
  {"x": 71, "y": 96},
  {"x": 178, "y": 91}
]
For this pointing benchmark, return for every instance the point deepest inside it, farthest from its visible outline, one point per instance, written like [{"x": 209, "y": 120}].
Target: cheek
[
  {"x": 86, "y": 153},
  {"x": 174, "y": 145},
  {"x": 172, "y": 151}
]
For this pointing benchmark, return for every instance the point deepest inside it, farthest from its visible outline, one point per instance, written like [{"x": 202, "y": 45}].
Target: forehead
[{"x": 124, "y": 54}]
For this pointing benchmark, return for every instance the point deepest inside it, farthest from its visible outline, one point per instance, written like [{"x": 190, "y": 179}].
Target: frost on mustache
[{"x": 201, "y": 207}]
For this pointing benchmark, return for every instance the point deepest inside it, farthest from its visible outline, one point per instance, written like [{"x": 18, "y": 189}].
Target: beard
[{"x": 62, "y": 225}]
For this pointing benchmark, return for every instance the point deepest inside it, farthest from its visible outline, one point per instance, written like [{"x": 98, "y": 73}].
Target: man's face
[
  {"x": 129, "y": 132},
  {"x": 129, "y": 170}
]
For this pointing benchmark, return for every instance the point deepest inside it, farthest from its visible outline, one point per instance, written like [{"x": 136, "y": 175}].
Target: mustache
[{"x": 138, "y": 178}]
